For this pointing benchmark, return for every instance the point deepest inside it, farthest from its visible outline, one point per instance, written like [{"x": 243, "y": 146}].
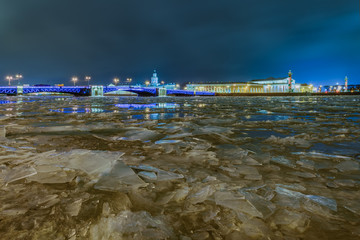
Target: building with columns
[
  {"x": 226, "y": 87},
  {"x": 270, "y": 85},
  {"x": 277, "y": 85}
]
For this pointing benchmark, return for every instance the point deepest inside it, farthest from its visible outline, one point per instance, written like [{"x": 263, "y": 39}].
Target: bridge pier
[
  {"x": 97, "y": 91},
  {"x": 161, "y": 92},
  {"x": 20, "y": 90}
]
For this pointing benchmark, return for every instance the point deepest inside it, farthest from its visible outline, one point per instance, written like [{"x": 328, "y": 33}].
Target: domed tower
[{"x": 154, "y": 79}]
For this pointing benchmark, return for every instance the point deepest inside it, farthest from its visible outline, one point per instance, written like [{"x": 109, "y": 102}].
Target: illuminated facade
[
  {"x": 271, "y": 85},
  {"x": 226, "y": 87},
  {"x": 154, "y": 79},
  {"x": 278, "y": 85}
]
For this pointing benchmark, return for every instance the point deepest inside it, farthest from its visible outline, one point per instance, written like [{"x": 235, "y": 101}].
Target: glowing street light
[
  {"x": 147, "y": 83},
  {"x": 87, "y": 78},
  {"x": 162, "y": 82},
  {"x": 18, "y": 77},
  {"x": 9, "y": 78},
  {"x": 177, "y": 85},
  {"x": 116, "y": 81},
  {"x": 129, "y": 80},
  {"x": 74, "y": 79}
]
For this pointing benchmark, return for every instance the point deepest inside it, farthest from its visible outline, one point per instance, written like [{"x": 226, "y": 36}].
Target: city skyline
[{"x": 195, "y": 42}]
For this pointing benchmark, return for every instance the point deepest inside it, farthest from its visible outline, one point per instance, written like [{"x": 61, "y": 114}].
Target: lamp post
[
  {"x": 129, "y": 80},
  {"x": 147, "y": 83},
  {"x": 87, "y": 78},
  {"x": 18, "y": 77},
  {"x": 116, "y": 81},
  {"x": 9, "y": 78},
  {"x": 74, "y": 79}
]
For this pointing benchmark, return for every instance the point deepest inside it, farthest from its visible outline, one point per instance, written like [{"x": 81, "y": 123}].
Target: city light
[
  {"x": 87, "y": 78},
  {"x": 74, "y": 79},
  {"x": 18, "y": 77},
  {"x": 116, "y": 81},
  {"x": 129, "y": 80},
  {"x": 147, "y": 83},
  {"x": 9, "y": 78}
]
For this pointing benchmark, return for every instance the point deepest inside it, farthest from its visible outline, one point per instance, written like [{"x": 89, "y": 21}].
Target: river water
[{"x": 179, "y": 168}]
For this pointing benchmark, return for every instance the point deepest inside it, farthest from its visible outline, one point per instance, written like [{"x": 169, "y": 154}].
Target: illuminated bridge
[{"x": 99, "y": 90}]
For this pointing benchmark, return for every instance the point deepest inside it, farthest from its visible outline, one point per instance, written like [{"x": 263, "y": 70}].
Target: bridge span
[{"x": 99, "y": 90}]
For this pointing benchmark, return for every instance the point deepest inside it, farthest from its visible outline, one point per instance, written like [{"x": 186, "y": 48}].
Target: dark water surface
[{"x": 180, "y": 168}]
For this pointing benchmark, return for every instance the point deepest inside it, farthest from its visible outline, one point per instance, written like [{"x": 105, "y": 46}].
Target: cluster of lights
[
  {"x": 16, "y": 77},
  {"x": 74, "y": 79}
]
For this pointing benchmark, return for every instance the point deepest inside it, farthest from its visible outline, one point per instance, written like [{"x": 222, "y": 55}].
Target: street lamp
[
  {"x": 74, "y": 79},
  {"x": 18, "y": 77},
  {"x": 129, "y": 80},
  {"x": 9, "y": 78},
  {"x": 87, "y": 78},
  {"x": 147, "y": 83},
  {"x": 162, "y": 82},
  {"x": 177, "y": 86},
  {"x": 116, "y": 81}
]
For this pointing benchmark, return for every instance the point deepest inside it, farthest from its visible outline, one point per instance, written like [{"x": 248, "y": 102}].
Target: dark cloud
[{"x": 185, "y": 40}]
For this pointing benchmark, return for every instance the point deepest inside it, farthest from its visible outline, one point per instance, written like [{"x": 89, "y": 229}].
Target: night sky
[{"x": 186, "y": 41}]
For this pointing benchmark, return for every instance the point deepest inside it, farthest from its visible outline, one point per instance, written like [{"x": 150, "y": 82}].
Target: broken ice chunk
[
  {"x": 19, "y": 172},
  {"x": 148, "y": 175},
  {"x": 120, "y": 178},
  {"x": 347, "y": 166},
  {"x": 247, "y": 170},
  {"x": 2, "y": 132},
  {"x": 161, "y": 174},
  {"x": 324, "y": 201},
  {"x": 306, "y": 164},
  {"x": 251, "y": 161},
  {"x": 292, "y": 220},
  {"x": 92, "y": 162},
  {"x": 201, "y": 195},
  {"x": 51, "y": 174},
  {"x": 131, "y": 225},
  {"x": 166, "y": 176},
  {"x": 142, "y": 135},
  {"x": 236, "y": 203},
  {"x": 283, "y": 161},
  {"x": 180, "y": 135},
  {"x": 289, "y": 193},
  {"x": 353, "y": 206},
  {"x": 165, "y": 198},
  {"x": 303, "y": 174},
  {"x": 73, "y": 208},
  {"x": 145, "y": 168},
  {"x": 9, "y": 149},
  {"x": 263, "y": 206},
  {"x": 14, "y": 212},
  {"x": 294, "y": 186},
  {"x": 167, "y": 141},
  {"x": 180, "y": 194}
]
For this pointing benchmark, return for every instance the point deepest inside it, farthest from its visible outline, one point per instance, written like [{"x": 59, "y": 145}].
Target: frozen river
[{"x": 180, "y": 168}]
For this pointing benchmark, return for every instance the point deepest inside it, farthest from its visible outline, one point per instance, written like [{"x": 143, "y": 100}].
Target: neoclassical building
[{"x": 270, "y": 85}]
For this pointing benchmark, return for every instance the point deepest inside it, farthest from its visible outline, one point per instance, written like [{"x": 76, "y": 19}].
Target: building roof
[{"x": 269, "y": 79}]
